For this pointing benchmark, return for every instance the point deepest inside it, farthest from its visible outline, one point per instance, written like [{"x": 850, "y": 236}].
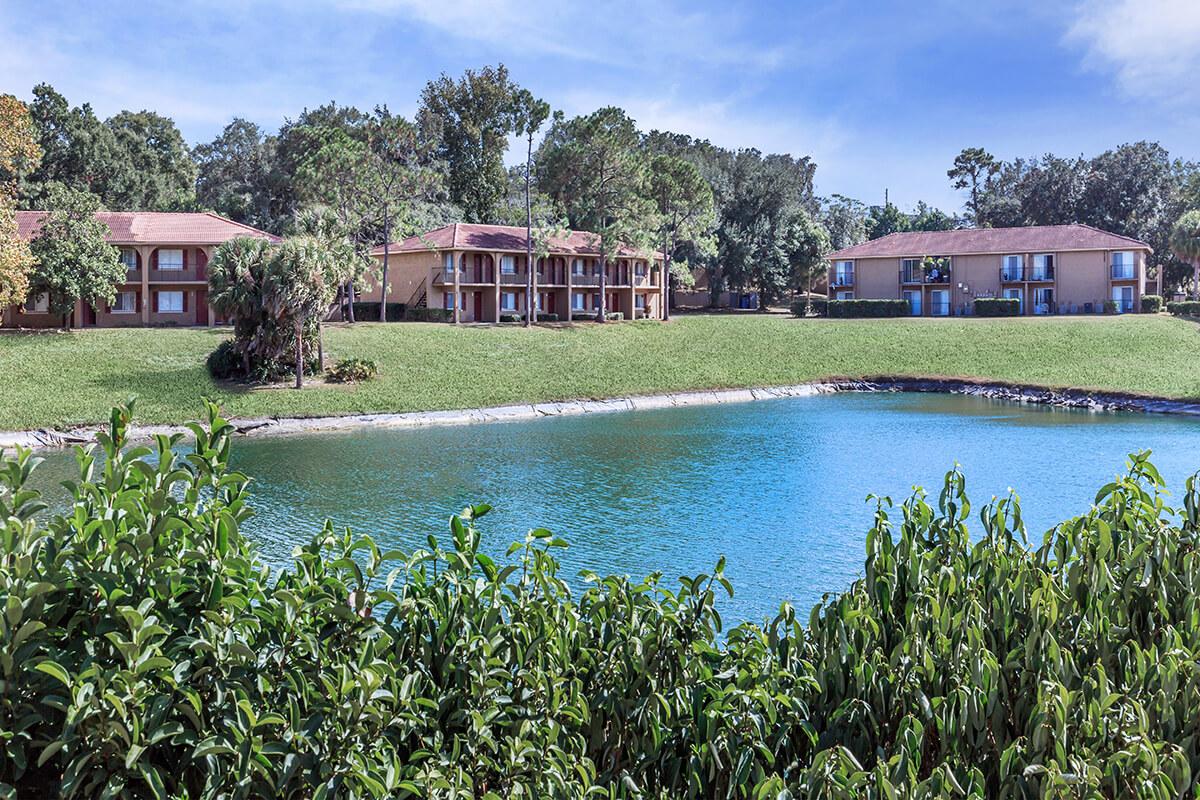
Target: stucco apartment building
[
  {"x": 1052, "y": 269},
  {"x": 478, "y": 272},
  {"x": 165, "y": 255}
]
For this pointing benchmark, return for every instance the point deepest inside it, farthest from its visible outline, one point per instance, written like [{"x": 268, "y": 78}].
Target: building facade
[
  {"x": 1052, "y": 269},
  {"x": 165, "y": 255},
  {"x": 478, "y": 272}
]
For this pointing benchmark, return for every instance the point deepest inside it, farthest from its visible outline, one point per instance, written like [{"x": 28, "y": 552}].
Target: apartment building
[
  {"x": 479, "y": 273},
  {"x": 165, "y": 255},
  {"x": 1051, "y": 269}
]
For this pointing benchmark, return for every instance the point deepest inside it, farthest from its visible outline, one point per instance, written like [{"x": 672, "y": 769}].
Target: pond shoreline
[{"x": 993, "y": 390}]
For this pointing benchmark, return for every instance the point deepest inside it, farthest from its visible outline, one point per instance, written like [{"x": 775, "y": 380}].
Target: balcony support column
[
  {"x": 457, "y": 286},
  {"x": 144, "y": 253},
  {"x": 570, "y": 292},
  {"x": 498, "y": 279}
]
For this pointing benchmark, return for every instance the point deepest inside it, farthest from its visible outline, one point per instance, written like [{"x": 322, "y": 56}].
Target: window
[
  {"x": 508, "y": 301},
  {"x": 576, "y": 266},
  {"x": 912, "y": 270},
  {"x": 639, "y": 269},
  {"x": 126, "y": 303},
  {"x": 1122, "y": 265},
  {"x": 448, "y": 299},
  {"x": 129, "y": 258},
  {"x": 1013, "y": 268},
  {"x": 639, "y": 301},
  {"x": 170, "y": 260},
  {"x": 1043, "y": 267},
  {"x": 508, "y": 265},
  {"x": 448, "y": 265},
  {"x": 843, "y": 273},
  {"x": 38, "y": 304},
  {"x": 170, "y": 302},
  {"x": 577, "y": 301},
  {"x": 541, "y": 301},
  {"x": 845, "y": 296}
]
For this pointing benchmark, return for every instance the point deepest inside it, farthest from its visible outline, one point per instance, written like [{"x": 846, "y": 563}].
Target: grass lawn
[{"x": 57, "y": 379}]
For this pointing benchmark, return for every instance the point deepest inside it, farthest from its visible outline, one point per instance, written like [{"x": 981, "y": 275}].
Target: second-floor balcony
[
  {"x": 842, "y": 278},
  {"x": 585, "y": 280},
  {"x": 1123, "y": 272},
  {"x": 1023, "y": 274},
  {"x": 923, "y": 275}
]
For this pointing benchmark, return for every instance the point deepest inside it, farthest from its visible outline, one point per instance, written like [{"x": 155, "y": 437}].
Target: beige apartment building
[
  {"x": 1051, "y": 269},
  {"x": 479, "y": 274},
  {"x": 165, "y": 255}
]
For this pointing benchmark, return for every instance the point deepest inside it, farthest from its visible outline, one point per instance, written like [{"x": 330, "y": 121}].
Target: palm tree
[
  {"x": 235, "y": 277},
  {"x": 1185, "y": 243}
]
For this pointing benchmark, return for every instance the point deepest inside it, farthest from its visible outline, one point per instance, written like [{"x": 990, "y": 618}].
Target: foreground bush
[
  {"x": 369, "y": 312},
  {"x": 145, "y": 651},
  {"x": 1152, "y": 303},
  {"x": 867, "y": 308},
  {"x": 997, "y": 307},
  {"x": 352, "y": 370},
  {"x": 801, "y": 307}
]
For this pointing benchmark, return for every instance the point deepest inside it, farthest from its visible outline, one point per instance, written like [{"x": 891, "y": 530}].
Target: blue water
[{"x": 777, "y": 486}]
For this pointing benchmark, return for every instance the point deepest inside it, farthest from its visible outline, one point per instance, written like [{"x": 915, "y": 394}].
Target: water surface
[{"x": 777, "y": 486}]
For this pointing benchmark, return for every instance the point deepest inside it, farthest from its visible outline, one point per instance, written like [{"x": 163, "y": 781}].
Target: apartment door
[
  {"x": 1018, "y": 295},
  {"x": 939, "y": 303},
  {"x": 478, "y": 306},
  {"x": 1123, "y": 295},
  {"x": 202, "y": 307},
  {"x": 1043, "y": 301}
]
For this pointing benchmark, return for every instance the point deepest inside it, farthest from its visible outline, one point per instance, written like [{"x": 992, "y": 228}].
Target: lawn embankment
[{"x": 62, "y": 379}]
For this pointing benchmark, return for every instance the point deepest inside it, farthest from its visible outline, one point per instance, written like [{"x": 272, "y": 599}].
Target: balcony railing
[
  {"x": 841, "y": 279},
  {"x": 175, "y": 275},
  {"x": 585, "y": 280},
  {"x": 1123, "y": 272},
  {"x": 921, "y": 276},
  {"x": 1021, "y": 274},
  {"x": 513, "y": 278}
]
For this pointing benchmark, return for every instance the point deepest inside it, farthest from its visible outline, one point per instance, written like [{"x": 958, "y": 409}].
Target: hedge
[
  {"x": 1184, "y": 308},
  {"x": 512, "y": 317},
  {"x": 1151, "y": 303},
  {"x": 147, "y": 651},
  {"x": 867, "y": 308},
  {"x": 429, "y": 315},
  {"x": 369, "y": 312},
  {"x": 818, "y": 305},
  {"x": 997, "y": 307}
]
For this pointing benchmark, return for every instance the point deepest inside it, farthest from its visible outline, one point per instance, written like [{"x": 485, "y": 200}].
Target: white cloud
[
  {"x": 1152, "y": 46},
  {"x": 608, "y": 31}
]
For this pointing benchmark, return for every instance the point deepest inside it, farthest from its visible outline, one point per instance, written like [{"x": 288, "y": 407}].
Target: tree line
[{"x": 743, "y": 219}]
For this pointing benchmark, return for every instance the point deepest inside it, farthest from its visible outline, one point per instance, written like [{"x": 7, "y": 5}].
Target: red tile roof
[
  {"x": 1035, "y": 238},
  {"x": 157, "y": 227},
  {"x": 496, "y": 238}
]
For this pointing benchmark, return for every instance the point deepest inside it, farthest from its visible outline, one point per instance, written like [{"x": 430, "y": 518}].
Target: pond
[{"x": 777, "y": 486}]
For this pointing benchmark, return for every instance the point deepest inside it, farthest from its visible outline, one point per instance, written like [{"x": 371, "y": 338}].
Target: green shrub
[
  {"x": 1110, "y": 306},
  {"x": 997, "y": 307},
  {"x": 428, "y": 315},
  {"x": 1151, "y": 303},
  {"x": 1184, "y": 308},
  {"x": 511, "y": 317},
  {"x": 146, "y": 651},
  {"x": 615, "y": 316},
  {"x": 352, "y": 370},
  {"x": 547, "y": 317},
  {"x": 867, "y": 308},
  {"x": 369, "y": 312},
  {"x": 225, "y": 362},
  {"x": 818, "y": 305}
]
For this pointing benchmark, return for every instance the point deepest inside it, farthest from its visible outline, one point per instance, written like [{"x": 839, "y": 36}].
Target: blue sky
[{"x": 882, "y": 95}]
